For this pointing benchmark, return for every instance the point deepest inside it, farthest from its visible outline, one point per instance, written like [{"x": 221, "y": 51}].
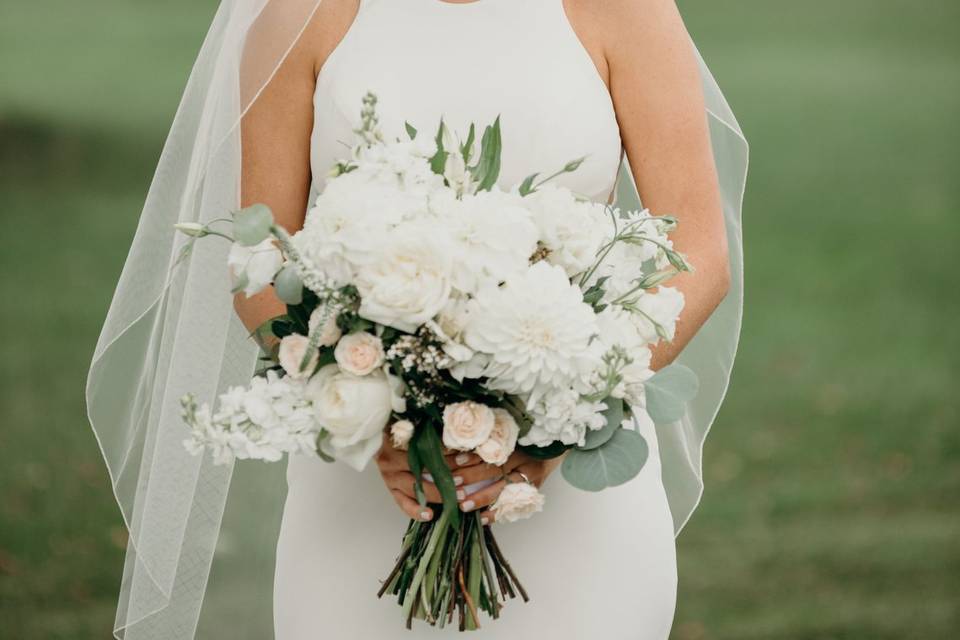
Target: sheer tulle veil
[{"x": 200, "y": 556}]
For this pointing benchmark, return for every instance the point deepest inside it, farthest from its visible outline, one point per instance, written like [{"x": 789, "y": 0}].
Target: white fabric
[
  {"x": 200, "y": 559},
  {"x": 616, "y": 547}
]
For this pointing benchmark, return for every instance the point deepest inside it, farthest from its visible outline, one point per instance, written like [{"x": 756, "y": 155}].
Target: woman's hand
[{"x": 467, "y": 469}]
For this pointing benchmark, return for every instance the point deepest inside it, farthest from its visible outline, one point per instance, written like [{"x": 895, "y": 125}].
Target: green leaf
[
  {"x": 439, "y": 160},
  {"x": 411, "y": 131},
  {"x": 618, "y": 461},
  {"x": 416, "y": 468},
  {"x": 553, "y": 450},
  {"x": 251, "y": 226},
  {"x": 614, "y": 415},
  {"x": 526, "y": 187},
  {"x": 668, "y": 392},
  {"x": 487, "y": 169},
  {"x": 288, "y": 286},
  {"x": 430, "y": 450},
  {"x": 281, "y": 328},
  {"x": 467, "y": 147}
]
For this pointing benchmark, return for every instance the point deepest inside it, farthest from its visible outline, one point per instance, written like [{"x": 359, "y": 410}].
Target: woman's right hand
[{"x": 394, "y": 468}]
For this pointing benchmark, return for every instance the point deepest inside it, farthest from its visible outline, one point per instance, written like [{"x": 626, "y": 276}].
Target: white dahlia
[
  {"x": 572, "y": 231},
  {"x": 537, "y": 330}
]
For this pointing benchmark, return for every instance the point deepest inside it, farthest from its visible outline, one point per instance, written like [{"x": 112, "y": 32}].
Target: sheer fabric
[{"x": 202, "y": 538}]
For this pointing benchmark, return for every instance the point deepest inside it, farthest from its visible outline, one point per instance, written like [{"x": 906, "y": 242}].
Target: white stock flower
[
  {"x": 536, "y": 330},
  {"x": 331, "y": 331},
  {"x": 517, "y": 501},
  {"x": 408, "y": 282},
  {"x": 254, "y": 267},
  {"x": 571, "y": 230},
  {"x": 353, "y": 409},
  {"x": 466, "y": 425},
  {"x": 565, "y": 416},
  {"x": 497, "y": 448},
  {"x": 400, "y": 433},
  {"x": 293, "y": 348},
  {"x": 359, "y": 353}
]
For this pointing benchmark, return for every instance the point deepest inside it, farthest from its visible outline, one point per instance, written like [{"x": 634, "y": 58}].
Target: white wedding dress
[{"x": 595, "y": 565}]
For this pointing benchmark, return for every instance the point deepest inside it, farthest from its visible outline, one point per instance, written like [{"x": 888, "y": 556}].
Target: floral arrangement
[{"x": 424, "y": 301}]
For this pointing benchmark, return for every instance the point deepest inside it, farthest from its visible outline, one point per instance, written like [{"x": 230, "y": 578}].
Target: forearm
[{"x": 256, "y": 310}]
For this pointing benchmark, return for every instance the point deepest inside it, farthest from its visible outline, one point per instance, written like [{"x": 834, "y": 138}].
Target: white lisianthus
[
  {"x": 662, "y": 308},
  {"x": 253, "y": 268},
  {"x": 537, "y": 331},
  {"x": 571, "y": 230},
  {"x": 467, "y": 425},
  {"x": 331, "y": 331},
  {"x": 359, "y": 353},
  {"x": 400, "y": 433},
  {"x": 497, "y": 448},
  {"x": 485, "y": 251},
  {"x": 353, "y": 410},
  {"x": 293, "y": 348},
  {"x": 517, "y": 501},
  {"x": 565, "y": 416},
  {"x": 408, "y": 283}
]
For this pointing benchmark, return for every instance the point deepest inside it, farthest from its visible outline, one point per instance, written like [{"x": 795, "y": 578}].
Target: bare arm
[
  {"x": 653, "y": 77},
  {"x": 275, "y": 138}
]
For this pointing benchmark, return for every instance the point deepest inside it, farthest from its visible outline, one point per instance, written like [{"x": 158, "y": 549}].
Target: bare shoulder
[
  {"x": 326, "y": 29},
  {"x": 623, "y": 28}
]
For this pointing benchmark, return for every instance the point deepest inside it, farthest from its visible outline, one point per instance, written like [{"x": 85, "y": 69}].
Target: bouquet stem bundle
[{"x": 445, "y": 568}]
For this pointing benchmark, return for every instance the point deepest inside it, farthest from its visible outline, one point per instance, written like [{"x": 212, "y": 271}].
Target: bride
[{"x": 271, "y": 103}]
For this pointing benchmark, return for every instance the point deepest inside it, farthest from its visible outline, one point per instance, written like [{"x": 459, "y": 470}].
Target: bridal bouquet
[{"x": 424, "y": 301}]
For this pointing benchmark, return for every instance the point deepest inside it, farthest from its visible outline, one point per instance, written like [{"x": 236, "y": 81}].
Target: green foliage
[
  {"x": 615, "y": 462},
  {"x": 668, "y": 391},
  {"x": 487, "y": 169},
  {"x": 288, "y": 286},
  {"x": 251, "y": 226},
  {"x": 614, "y": 416}
]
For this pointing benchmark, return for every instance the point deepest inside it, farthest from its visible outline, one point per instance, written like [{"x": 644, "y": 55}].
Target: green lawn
[{"x": 833, "y": 471}]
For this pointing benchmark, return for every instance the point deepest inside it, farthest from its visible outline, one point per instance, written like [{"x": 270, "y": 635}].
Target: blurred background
[{"x": 832, "y": 507}]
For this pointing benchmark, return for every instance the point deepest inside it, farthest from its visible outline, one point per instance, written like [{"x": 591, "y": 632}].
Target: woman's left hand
[{"x": 532, "y": 469}]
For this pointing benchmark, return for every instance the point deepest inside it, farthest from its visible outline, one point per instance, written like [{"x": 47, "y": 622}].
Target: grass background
[{"x": 833, "y": 471}]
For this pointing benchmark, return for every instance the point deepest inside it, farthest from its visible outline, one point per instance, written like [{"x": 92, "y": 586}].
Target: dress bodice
[{"x": 427, "y": 59}]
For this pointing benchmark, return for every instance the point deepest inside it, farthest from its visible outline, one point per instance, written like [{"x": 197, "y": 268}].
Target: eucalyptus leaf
[
  {"x": 618, "y": 461},
  {"x": 614, "y": 416},
  {"x": 251, "y": 226},
  {"x": 553, "y": 450},
  {"x": 668, "y": 391},
  {"x": 288, "y": 286}
]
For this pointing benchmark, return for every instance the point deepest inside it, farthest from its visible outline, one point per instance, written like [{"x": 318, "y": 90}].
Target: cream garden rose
[
  {"x": 292, "y": 350},
  {"x": 467, "y": 425},
  {"x": 353, "y": 410},
  {"x": 502, "y": 441},
  {"x": 400, "y": 433},
  {"x": 359, "y": 353},
  {"x": 517, "y": 501}
]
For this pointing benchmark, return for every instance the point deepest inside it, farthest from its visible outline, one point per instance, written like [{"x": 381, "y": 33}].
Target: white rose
[
  {"x": 292, "y": 350},
  {"x": 359, "y": 353},
  {"x": 400, "y": 433},
  {"x": 502, "y": 441},
  {"x": 517, "y": 501},
  {"x": 331, "y": 332},
  {"x": 409, "y": 281},
  {"x": 253, "y": 268},
  {"x": 353, "y": 409},
  {"x": 466, "y": 425}
]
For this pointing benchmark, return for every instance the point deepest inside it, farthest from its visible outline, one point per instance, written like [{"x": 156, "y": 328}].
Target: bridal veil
[{"x": 200, "y": 554}]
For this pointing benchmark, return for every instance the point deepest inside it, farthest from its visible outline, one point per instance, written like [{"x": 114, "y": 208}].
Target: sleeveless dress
[{"x": 597, "y": 565}]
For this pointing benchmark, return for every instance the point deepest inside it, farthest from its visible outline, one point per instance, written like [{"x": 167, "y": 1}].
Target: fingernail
[
  {"x": 425, "y": 515},
  {"x": 457, "y": 481},
  {"x": 463, "y": 458},
  {"x": 484, "y": 520},
  {"x": 467, "y": 506},
  {"x": 461, "y": 494}
]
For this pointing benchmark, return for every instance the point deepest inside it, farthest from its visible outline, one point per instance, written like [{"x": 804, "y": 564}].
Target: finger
[
  {"x": 482, "y": 498},
  {"x": 487, "y": 516},
  {"x": 411, "y": 507},
  {"x": 403, "y": 482},
  {"x": 458, "y": 459},
  {"x": 477, "y": 473},
  {"x": 391, "y": 459}
]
